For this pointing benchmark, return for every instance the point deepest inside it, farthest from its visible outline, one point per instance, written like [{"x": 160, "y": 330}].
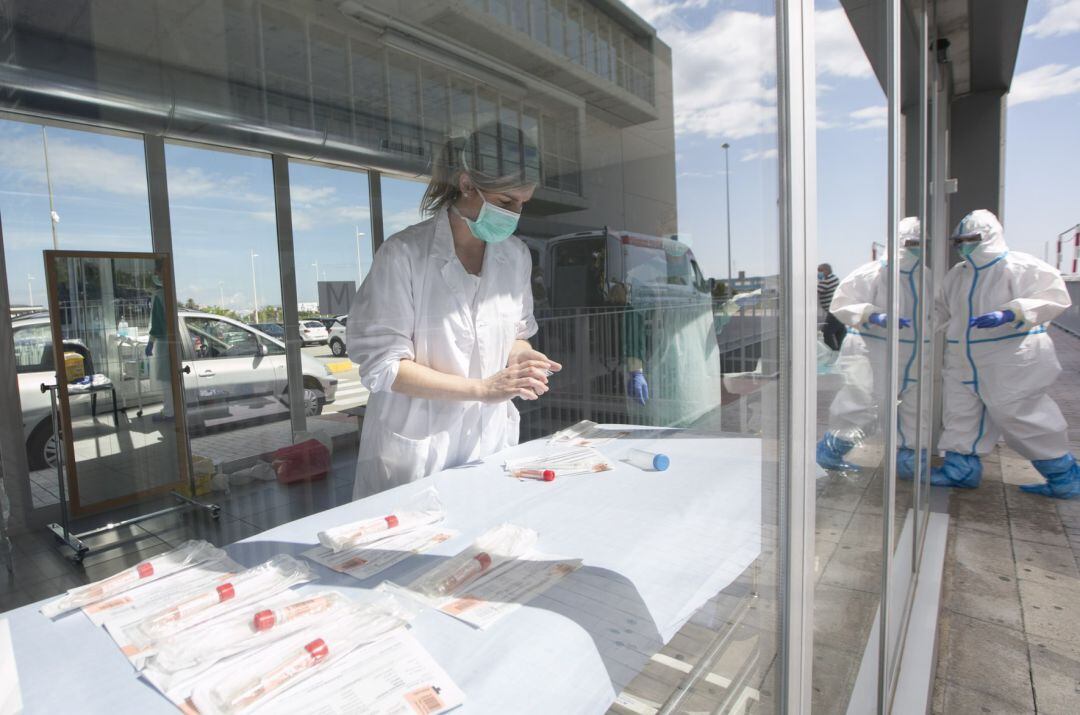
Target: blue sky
[{"x": 222, "y": 207}]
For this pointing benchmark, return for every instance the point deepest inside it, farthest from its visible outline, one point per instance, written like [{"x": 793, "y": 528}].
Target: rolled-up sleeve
[
  {"x": 379, "y": 334},
  {"x": 525, "y": 326}
]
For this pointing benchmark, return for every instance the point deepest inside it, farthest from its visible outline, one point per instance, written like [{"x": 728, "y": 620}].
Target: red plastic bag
[{"x": 304, "y": 462}]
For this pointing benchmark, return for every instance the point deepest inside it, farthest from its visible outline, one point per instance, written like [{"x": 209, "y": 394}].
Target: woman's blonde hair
[{"x": 496, "y": 157}]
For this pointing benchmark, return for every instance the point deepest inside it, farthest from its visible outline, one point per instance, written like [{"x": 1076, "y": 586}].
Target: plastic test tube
[
  {"x": 643, "y": 459},
  {"x": 195, "y": 604},
  {"x": 309, "y": 656},
  {"x": 374, "y": 526},
  {"x": 466, "y": 572},
  {"x": 122, "y": 580},
  {"x": 266, "y": 619},
  {"x": 548, "y": 475}
]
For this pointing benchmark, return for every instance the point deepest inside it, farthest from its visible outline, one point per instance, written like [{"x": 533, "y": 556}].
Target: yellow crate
[
  {"x": 203, "y": 473},
  {"x": 75, "y": 365}
]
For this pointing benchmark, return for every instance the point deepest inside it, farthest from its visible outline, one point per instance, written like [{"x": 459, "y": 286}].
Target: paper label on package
[
  {"x": 368, "y": 560},
  {"x": 393, "y": 676}
]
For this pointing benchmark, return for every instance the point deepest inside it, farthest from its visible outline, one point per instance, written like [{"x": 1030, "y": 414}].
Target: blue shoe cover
[
  {"x": 1062, "y": 478},
  {"x": 958, "y": 470},
  {"x": 831, "y": 451},
  {"x": 905, "y": 464}
]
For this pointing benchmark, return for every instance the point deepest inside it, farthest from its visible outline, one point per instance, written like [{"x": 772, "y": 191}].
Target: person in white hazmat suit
[
  {"x": 859, "y": 303},
  {"x": 1000, "y": 362},
  {"x": 440, "y": 326}
]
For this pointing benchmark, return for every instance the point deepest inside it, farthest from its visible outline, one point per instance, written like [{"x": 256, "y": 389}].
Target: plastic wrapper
[
  {"x": 244, "y": 628},
  {"x": 586, "y": 434},
  {"x": 491, "y": 550},
  {"x": 273, "y": 576},
  {"x": 251, "y": 682},
  {"x": 187, "y": 554},
  {"x": 584, "y": 460},
  {"x": 423, "y": 510}
]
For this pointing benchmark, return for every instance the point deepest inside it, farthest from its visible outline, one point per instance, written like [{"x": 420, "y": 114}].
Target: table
[{"x": 655, "y": 545}]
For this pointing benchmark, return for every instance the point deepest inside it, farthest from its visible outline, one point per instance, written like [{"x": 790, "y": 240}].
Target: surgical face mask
[
  {"x": 966, "y": 249},
  {"x": 492, "y": 224},
  {"x": 820, "y": 276},
  {"x": 915, "y": 252}
]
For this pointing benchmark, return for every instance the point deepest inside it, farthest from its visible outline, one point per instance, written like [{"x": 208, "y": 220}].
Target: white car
[
  {"x": 232, "y": 374},
  {"x": 337, "y": 336},
  {"x": 312, "y": 332}
]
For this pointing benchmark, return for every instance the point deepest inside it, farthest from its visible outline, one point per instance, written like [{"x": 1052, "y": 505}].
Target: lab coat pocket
[{"x": 405, "y": 460}]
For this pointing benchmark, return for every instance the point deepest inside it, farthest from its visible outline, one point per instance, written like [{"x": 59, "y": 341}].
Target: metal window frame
[
  {"x": 796, "y": 142},
  {"x": 287, "y": 276}
]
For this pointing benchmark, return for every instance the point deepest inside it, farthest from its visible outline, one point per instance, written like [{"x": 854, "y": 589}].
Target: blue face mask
[
  {"x": 820, "y": 276},
  {"x": 966, "y": 249},
  {"x": 915, "y": 252},
  {"x": 492, "y": 224}
]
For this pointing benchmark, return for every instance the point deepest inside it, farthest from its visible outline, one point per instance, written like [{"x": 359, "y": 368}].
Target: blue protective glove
[
  {"x": 992, "y": 319},
  {"x": 882, "y": 320},
  {"x": 637, "y": 388},
  {"x": 150, "y": 349}
]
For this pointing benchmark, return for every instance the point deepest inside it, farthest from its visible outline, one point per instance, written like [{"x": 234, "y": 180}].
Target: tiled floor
[
  {"x": 1009, "y": 629},
  {"x": 41, "y": 570}
]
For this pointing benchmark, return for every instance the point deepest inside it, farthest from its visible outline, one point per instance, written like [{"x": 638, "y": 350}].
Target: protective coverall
[
  {"x": 996, "y": 378},
  {"x": 855, "y": 412}
]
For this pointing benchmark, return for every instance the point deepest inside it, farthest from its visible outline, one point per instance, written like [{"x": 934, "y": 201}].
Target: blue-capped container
[{"x": 652, "y": 461}]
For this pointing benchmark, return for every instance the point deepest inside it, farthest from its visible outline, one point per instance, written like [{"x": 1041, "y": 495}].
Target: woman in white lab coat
[{"x": 440, "y": 326}]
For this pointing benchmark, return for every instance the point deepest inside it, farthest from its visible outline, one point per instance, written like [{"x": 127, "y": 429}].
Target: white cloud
[
  {"x": 875, "y": 117},
  {"x": 301, "y": 194},
  {"x": 653, "y": 10},
  {"x": 837, "y": 48},
  {"x": 724, "y": 76},
  {"x": 1061, "y": 18},
  {"x": 1044, "y": 83},
  {"x": 761, "y": 155}
]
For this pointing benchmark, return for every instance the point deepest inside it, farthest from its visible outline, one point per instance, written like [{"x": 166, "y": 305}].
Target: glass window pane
[
  {"x": 404, "y": 85},
  {"x": 538, "y": 20},
  {"x": 573, "y": 31},
  {"x": 557, "y": 25}
]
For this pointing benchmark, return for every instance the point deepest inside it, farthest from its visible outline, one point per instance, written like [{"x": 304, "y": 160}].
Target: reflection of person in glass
[
  {"x": 440, "y": 326},
  {"x": 1000, "y": 362},
  {"x": 159, "y": 356},
  {"x": 858, "y": 304}
]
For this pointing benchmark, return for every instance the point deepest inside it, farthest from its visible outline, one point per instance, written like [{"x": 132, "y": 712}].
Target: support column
[
  {"x": 977, "y": 154},
  {"x": 289, "y": 311}
]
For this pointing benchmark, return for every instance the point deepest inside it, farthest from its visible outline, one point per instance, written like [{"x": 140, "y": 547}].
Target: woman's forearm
[{"x": 416, "y": 380}]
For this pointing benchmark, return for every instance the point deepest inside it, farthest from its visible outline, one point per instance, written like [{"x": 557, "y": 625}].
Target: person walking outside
[{"x": 834, "y": 331}]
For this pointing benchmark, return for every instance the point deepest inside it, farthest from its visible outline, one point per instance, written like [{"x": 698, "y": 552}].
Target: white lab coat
[
  {"x": 414, "y": 305},
  {"x": 996, "y": 379}
]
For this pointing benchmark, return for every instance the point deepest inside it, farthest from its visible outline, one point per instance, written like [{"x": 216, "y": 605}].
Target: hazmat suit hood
[
  {"x": 992, "y": 245},
  {"x": 909, "y": 229}
]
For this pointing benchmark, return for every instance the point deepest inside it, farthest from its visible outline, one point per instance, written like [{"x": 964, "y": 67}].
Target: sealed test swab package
[
  {"x": 584, "y": 460},
  {"x": 423, "y": 510},
  {"x": 488, "y": 552},
  {"x": 586, "y": 434},
  {"x": 187, "y": 554},
  {"x": 251, "y": 681},
  {"x": 140, "y": 637}
]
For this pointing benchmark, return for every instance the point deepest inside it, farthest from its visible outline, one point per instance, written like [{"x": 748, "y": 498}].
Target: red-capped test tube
[
  {"x": 270, "y": 617},
  {"x": 466, "y": 572},
  {"x": 548, "y": 475},
  {"x": 195, "y": 604},
  {"x": 124, "y": 579},
  {"x": 307, "y": 657},
  {"x": 375, "y": 526}
]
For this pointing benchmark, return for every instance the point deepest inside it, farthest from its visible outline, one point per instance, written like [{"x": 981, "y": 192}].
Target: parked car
[
  {"x": 312, "y": 332},
  {"x": 337, "y": 336},
  {"x": 234, "y": 373},
  {"x": 274, "y": 330}
]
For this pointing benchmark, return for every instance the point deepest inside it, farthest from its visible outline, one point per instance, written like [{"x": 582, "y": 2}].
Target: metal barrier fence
[{"x": 685, "y": 348}]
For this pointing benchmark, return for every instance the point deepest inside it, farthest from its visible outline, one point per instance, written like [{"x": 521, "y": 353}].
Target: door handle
[
  {"x": 186, "y": 369},
  {"x": 206, "y": 373}
]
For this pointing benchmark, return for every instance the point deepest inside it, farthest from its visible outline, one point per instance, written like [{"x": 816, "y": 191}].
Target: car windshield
[
  {"x": 656, "y": 264},
  {"x": 313, "y": 324}
]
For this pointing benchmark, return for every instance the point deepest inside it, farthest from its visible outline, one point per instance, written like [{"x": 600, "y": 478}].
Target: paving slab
[
  {"x": 1003, "y": 677},
  {"x": 1055, "y": 669},
  {"x": 1051, "y": 610}
]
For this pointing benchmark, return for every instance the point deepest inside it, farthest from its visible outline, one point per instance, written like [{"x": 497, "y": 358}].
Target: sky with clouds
[{"x": 725, "y": 91}]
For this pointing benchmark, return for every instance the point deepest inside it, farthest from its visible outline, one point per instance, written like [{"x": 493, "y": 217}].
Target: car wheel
[
  {"x": 41, "y": 447},
  {"x": 337, "y": 347},
  {"x": 313, "y": 401}
]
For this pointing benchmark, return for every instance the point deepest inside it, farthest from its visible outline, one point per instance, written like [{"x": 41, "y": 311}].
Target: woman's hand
[
  {"x": 527, "y": 380},
  {"x": 523, "y": 352}
]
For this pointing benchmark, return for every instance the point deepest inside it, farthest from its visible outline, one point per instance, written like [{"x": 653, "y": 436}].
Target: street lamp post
[
  {"x": 30, "y": 289},
  {"x": 254, "y": 289},
  {"x": 316, "y": 266},
  {"x": 221, "y": 292},
  {"x": 54, "y": 218},
  {"x": 359, "y": 266},
  {"x": 727, "y": 194}
]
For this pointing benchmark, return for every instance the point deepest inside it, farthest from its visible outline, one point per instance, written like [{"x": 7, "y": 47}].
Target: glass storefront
[{"x": 662, "y": 268}]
